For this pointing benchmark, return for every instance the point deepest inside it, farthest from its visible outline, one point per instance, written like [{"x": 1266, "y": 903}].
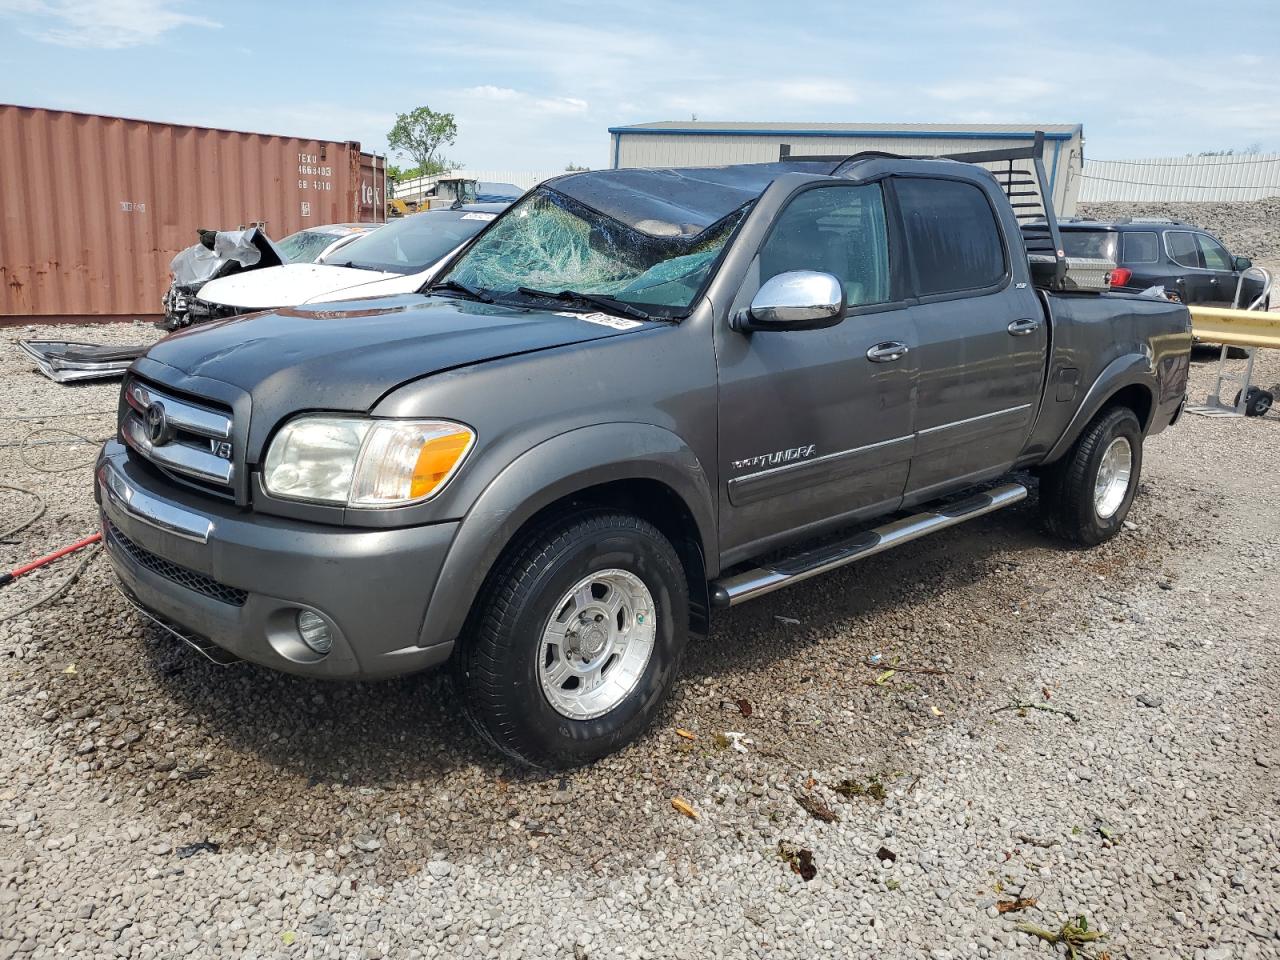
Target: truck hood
[
  {"x": 346, "y": 356},
  {"x": 289, "y": 285}
]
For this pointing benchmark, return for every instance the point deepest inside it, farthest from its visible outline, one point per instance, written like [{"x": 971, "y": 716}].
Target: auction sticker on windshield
[{"x": 604, "y": 319}]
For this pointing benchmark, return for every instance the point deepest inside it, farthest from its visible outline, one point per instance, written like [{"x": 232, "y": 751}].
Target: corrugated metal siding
[
  {"x": 1182, "y": 179},
  {"x": 92, "y": 209},
  {"x": 633, "y": 149}
]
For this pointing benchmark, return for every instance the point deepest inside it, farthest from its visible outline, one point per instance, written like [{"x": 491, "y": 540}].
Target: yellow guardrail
[{"x": 1236, "y": 328}]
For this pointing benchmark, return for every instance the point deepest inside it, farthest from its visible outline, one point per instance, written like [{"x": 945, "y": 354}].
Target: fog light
[{"x": 315, "y": 632}]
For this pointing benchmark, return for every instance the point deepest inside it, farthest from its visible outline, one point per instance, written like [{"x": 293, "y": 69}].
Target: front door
[
  {"x": 1195, "y": 284},
  {"x": 982, "y": 337},
  {"x": 812, "y": 428},
  {"x": 1222, "y": 275}
]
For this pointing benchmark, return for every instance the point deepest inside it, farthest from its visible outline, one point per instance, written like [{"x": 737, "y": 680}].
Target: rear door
[
  {"x": 1194, "y": 281},
  {"x": 981, "y": 332},
  {"x": 811, "y": 428}
]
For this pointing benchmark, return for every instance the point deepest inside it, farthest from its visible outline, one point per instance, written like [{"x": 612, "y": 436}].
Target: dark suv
[{"x": 1192, "y": 265}]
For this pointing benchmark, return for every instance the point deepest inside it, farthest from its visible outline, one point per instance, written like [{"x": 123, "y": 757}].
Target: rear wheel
[
  {"x": 577, "y": 639},
  {"x": 1085, "y": 496}
]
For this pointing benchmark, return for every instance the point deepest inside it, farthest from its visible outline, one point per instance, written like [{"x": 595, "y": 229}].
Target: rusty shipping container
[{"x": 93, "y": 208}]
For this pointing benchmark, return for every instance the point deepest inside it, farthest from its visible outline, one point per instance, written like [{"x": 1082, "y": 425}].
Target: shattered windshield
[
  {"x": 305, "y": 245},
  {"x": 550, "y": 242}
]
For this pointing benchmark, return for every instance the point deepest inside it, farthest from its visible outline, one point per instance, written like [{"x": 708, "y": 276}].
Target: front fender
[
  {"x": 551, "y": 471},
  {"x": 1126, "y": 371}
]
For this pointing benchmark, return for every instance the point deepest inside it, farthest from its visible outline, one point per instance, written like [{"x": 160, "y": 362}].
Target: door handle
[
  {"x": 1020, "y": 328},
  {"x": 887, "y": 352}
]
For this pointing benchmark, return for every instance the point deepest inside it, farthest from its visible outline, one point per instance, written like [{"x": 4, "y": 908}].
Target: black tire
[
  {"x": 496, "y": 669},
  {"x": 1258, "y": 402},
  {"x": 1067, "y": 486}
]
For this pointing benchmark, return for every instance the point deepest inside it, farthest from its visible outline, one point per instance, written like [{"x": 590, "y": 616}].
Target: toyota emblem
[{"x": 157, "y": 425}]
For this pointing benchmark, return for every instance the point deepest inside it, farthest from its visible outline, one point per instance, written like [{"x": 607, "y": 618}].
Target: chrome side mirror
[{"x": 796, "y": 300}]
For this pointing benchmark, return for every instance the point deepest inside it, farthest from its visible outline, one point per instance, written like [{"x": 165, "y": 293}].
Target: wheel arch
[
  {"x": 642, "y": 468},
  {"x": 1126, "y": 381}
]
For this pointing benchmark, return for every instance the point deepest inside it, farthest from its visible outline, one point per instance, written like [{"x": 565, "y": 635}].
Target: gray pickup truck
[{"x": 637, "y": 396}]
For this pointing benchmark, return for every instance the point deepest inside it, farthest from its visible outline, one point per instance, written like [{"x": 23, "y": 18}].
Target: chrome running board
[{"x": 733, "y": 590}]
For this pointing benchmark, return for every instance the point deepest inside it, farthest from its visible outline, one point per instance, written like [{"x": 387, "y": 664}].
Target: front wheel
[
  {"x": 576, "y": 640},
  {"x": 1085, "y": 496}
]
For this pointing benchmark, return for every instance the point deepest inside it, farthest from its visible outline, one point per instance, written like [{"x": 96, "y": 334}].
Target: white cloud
[
  {"x": 993, "y": 90},
  {"x": 488, "y": 92},
  {"x": 105, "y": 24},
  {"x": 815, "y": 91},
  {"x": 526, "y": 101}
]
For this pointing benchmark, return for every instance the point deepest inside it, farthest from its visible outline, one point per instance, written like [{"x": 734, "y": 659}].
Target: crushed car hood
[{"x": 346, "y": 356}]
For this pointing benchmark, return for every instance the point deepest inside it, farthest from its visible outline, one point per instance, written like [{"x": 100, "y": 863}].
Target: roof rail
[{"x": 1032, "y": 208}]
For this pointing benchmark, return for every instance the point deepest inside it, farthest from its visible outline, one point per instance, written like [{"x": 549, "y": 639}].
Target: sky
[{"x": 536, "y": 86}]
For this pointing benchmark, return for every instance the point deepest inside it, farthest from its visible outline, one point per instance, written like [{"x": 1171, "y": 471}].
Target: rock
[
  {"x": 1148, "y": 700},
  {"x": 367, "y": 843}
]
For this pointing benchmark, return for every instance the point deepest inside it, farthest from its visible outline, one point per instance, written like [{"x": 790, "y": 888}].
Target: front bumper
[{"x": 214, "y": 572}]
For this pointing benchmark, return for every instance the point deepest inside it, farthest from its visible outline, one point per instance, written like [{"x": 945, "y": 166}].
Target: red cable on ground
[{"x": 8, "y": 578}]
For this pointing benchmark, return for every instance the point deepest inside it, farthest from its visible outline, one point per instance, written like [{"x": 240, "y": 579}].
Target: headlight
[{"x": 358, "y": 462}]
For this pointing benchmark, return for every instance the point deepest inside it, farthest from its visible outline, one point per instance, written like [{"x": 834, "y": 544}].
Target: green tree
[
  {"x": 420, "y": 134},
  {"x": 398, "y": 173}
]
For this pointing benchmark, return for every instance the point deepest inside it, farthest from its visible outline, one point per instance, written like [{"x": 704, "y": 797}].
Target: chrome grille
[
  {"x": 177, "y": 435},
  {"x": 182, "y": 576}
]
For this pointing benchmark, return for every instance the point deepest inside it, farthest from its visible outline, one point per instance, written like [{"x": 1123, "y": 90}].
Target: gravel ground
[{"x": 153, "y": 805}]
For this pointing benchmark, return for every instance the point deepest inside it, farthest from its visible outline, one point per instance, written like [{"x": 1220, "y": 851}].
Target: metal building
[{"x": 674, "y": 143}]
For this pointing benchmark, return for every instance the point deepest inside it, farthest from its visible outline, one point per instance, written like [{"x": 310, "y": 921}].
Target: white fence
[
  {"x": 1242, "y": 176},
  {"x": 524, "y": 179}
]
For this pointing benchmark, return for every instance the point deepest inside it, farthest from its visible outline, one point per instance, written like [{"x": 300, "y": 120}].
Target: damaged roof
[{"x": 678, "y": 202}]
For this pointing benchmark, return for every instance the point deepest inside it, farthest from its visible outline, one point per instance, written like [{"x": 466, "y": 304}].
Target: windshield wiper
[
  {"x": 351, "y": 265},
  {"x": 462, "y": 288},
  {"x": 592, "y": 299}
]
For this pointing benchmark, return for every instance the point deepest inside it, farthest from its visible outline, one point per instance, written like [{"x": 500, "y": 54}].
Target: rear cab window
[
  {"x": 955, "y": 242},
  {"x": 1091, "y": 244},
  {"x": 1139, "y": 246}
]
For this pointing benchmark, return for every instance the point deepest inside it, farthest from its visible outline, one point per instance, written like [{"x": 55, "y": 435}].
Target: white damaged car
[{"x": 397, "y": 258}]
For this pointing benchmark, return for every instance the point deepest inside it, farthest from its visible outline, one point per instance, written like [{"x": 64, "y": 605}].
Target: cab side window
[
  {"x": 952, "y": 234},
  {"x": 1215, "y": 254},
  {"x": 838, "y": 230},
  {"x": 1183, "y": 249}
]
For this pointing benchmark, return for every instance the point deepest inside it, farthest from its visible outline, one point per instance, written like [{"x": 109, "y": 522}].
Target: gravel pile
[
  {"x": 1248, "y": 229},
  {"x": 153, "y": 805}
]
